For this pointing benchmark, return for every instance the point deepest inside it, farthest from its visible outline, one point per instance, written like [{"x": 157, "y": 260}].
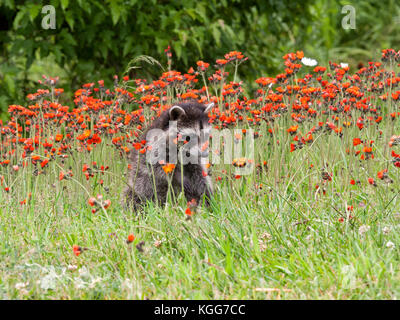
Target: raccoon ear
[
  {"x": 209, "y": 107},
  {"x": 175, "y": 112}
]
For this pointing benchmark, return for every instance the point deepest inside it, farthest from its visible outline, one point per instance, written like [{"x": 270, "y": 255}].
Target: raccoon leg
[
  {"x": 195, "y": 185},
  {"x": 197, "y": 190}
]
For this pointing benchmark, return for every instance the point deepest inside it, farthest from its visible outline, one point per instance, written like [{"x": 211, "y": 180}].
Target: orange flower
[
  {"x": 356, "y": 141},
  {"x": 92, "y": 201},
  {"x": 44, "y": 162},
  {"x": 292, "y": 129},
  {"x": 126, "y": 149},
  {"x": 137, "y": 146},
  {"x": 106, "y": 204},
  {"x": 202, "y": 65},
  {"x": 372, "y": 181},
  {"x": 382, "y": 174},
  {"x": 169, "y": 167},
  {"x": 76, "y": 249},
  {"x": 130, "y": 238},
  {"x": 222, "y": 61},
  {"x": 188, "y": 212},
  {"x": 241, "y": 162},
  {"x": 84, "y": 135},
  {"x": 367, "y": 149},
  {"x": 299, "y": 55},
  {"x": 94, "y": 139}
]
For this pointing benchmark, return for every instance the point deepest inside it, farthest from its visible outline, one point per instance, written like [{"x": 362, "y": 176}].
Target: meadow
[{"x": 317, "y": 218}]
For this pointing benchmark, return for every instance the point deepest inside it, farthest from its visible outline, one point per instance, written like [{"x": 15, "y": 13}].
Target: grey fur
[{"x": 149, "y": 182}]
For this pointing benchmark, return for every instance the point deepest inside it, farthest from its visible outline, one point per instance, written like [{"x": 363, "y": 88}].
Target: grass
[
  {"x": 284, "y": 237},
  {"x": 268, "y": 235}
]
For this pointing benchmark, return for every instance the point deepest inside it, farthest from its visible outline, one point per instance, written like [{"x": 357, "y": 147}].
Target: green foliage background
[{"x": 96, "y": 39}]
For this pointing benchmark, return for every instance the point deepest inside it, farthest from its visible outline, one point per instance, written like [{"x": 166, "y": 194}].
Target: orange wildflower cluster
[{"x": 302, "y": 103}]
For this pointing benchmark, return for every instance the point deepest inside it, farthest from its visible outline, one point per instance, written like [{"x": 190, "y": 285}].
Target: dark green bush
[{"x": 96, "y": 39}]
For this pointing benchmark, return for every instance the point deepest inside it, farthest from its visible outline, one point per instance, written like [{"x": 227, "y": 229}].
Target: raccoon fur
[{"x": 184, "y": 122}]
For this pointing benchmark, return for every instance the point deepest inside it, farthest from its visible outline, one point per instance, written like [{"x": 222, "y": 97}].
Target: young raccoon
[{"x": 179, "y": 136}]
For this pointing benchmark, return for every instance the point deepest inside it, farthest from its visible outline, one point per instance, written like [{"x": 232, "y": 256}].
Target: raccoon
[{"x": 179, "y": 136}]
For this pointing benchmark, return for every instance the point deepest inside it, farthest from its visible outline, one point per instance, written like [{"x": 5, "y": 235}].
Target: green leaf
[
  {"x": 44, "y": 49},
  {"x": 69, "y": 39},
  {"x": 115, "y": 11},
  {"x": 104, "y": 52},
  {"x": 20, "y": 15},
  {"x": 183, "y": 36},
  {"x": 127, "y": 46},
  {"x": 58, "y": 54},
  {"x": 201, "y": 12},
  {"x": 64, "y": 4},
  {"x": 70, "y": 19},
  {"x": 10, "y": 84},
  {"x": 34, "y": 11},
  {"x": 178, "y": 49},
  {"x": 216, "y": 34},
  {"x": 191, "y": 13},
  {"x": 10, "y": 4}
]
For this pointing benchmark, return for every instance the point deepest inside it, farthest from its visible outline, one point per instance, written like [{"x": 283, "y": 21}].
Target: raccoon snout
[
  {"x": 197, "y": 152},
  {"x": 203, "y": 154}
]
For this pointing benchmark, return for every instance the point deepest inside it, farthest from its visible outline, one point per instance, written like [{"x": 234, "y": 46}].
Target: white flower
[
  {"x": 158, "y": 243},
  {"x": 390, "y": 245},
  {"x": 309, "y": 62},
  {"x": 84, "y": 272},
  {"x": 128, "y": 284},
  {"x": 24, "y": 292},
  {"x": 21, "y": 285},
  {"x": 386, "y": 230},
  {"x": 363, "y": 229},
  {"x": 79, "y": 283},
  {"x": 344, "y": 65},
  {"x": 72, "y": 267},
  {"x": 94, "y": 281},
  {"x": 349, "y": 277},
  {"x": 48, "y": 281}
]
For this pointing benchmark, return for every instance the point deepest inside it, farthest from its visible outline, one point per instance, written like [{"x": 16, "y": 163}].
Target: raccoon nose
[{"x": 204, "y": 154}]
